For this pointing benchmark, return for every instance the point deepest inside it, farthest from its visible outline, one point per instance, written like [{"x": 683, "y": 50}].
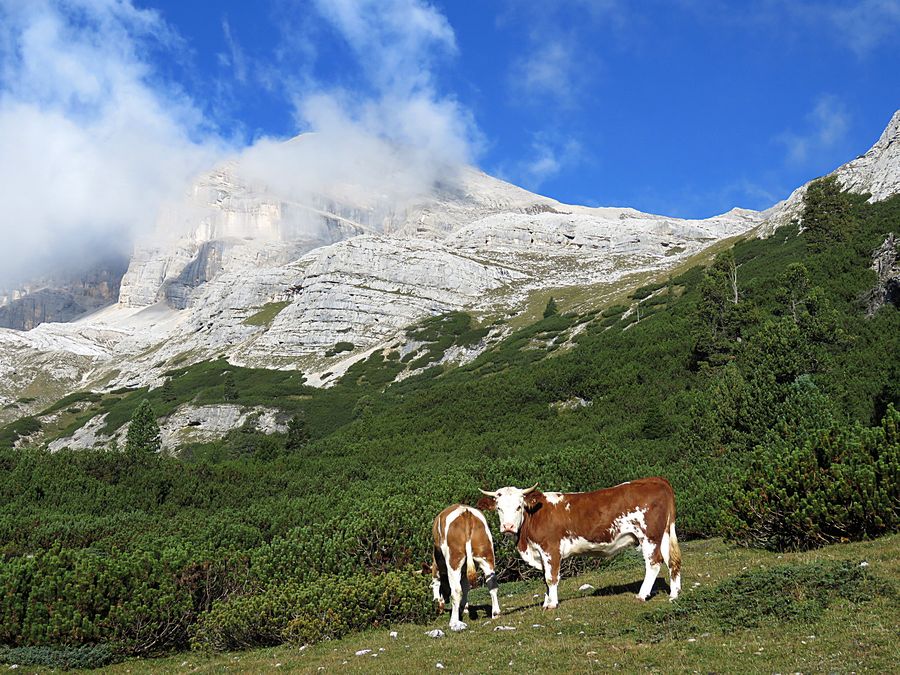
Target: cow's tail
[
  {"x": 674, "y": 553},
  {"x": 470, "y": 564}
]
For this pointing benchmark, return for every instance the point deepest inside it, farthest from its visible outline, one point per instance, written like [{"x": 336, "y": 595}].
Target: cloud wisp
[
  {"x": 828, "y": 123},
  {"x": 90, "y": 145},
  {"x": 549, "y": 155}
]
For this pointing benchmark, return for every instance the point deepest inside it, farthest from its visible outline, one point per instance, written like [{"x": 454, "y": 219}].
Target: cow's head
[{"x": 509, "y": 502}]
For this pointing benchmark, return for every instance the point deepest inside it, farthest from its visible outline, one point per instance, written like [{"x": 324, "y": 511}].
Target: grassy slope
[{"x": 603, "y": 629}]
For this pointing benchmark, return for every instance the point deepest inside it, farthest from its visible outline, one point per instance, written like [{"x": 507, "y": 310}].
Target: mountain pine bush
[{"x": 825, "y": 486}]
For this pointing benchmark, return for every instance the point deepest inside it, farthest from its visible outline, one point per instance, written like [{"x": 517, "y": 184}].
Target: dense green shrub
[
  {"x": 340, "y": 347},
  {"x": 12, "y": 432},
  {"x": 325, "y": 608},
  {"x": 65, "y": 658},
  {"x": 142, "y": 601},
  {"x": 614, "y": 310},
  {"x": 825, "y": 486},
  {"x": 786, "y": 593},
  {"x": 645, "y": 291}
]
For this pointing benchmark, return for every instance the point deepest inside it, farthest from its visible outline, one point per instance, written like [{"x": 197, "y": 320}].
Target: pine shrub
[{"x": 836, "y": 484}]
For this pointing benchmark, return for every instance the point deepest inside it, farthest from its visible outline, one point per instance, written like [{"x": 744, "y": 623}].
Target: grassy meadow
[{"x": 606, "y": 629}]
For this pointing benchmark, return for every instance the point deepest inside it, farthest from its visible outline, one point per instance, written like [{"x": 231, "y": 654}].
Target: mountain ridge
[{"x": 358, "y": 276}]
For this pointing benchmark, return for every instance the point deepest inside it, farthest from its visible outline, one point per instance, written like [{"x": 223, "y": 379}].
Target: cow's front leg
[{"x": 551, "y": 561}]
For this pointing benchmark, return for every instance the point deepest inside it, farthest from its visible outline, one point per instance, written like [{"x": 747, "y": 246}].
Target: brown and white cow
[
  {"x": 462, "y": 538},
  {"x": 552, "y": 526}
]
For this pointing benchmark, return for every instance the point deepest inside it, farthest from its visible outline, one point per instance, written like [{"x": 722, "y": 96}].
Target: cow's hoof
[
  {"x": 494, "y": 615},
  {"x": 549, "y": 608},
  {"x": 673, "y": 598},
  {"x": 641, "y": 598},
  {"x": 458, "y": 626}
]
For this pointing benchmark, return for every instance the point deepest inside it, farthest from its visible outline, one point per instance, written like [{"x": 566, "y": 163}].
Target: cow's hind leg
[
  {"x": 652, "y": 562},
  {"x": 436, "y": 579},
  {"x": 455, "y": 575},
  {"x": 440, "y": 584},
  {"x": 671, "y": 554}
]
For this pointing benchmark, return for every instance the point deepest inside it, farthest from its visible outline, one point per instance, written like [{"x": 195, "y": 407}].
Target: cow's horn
[
  {"x": 485, "y": 492},
  {"x": 531, "y": 489}
]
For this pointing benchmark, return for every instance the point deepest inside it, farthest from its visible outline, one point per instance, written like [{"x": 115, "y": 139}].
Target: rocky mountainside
[
  {"x": 62, "y": 297},
  {"x": 272, "y": 277}
]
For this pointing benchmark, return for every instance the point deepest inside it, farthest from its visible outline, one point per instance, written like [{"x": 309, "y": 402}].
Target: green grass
[
  {"x": 607, "y": 629},
  {"x": 266, "y": 315}
]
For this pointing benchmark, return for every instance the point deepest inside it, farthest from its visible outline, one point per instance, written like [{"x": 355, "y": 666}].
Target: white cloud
[
  {"x": 548, "y": 69},
  {"x": 93, "y": 142},
  {"x": 396, "y": 41},
  {"x": 397, "y": 124},
  {"x": 866, "y": 24},
  {"x": 548, "y": 156},
  {"x": 558, "y": 57},
  {"x": 235, "y": 56},
  {"x": 827, "y": 127},
  {"x": 90, "y": 147}
]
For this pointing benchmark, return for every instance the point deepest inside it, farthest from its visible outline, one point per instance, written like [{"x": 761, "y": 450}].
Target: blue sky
[
  {"x": 682, "y": 107},
  {"x": 687, "y": 108}
]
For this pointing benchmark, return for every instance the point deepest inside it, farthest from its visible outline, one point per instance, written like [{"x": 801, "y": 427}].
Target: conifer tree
[
  {"x": 143, "y": 432},
  {"x": 231, "y": 390},
  {"x": 551, "y": 308},
  {"x": 297, "y": 435}
]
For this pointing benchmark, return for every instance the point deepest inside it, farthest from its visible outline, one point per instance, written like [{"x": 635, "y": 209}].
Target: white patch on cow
[
  {"x": 453, "y": 515},
  {"x": 533, "y": 555},
  {"x": 632, "y": 522},
  {"x": 551, "y": 599},
  {"x": 487, "y": 529},
  {"x": 554, "y": 497},
  {"x": 568, "y": 507},
  {"x": 569, "y": 546},
  {"x": 510, "y": 503}
]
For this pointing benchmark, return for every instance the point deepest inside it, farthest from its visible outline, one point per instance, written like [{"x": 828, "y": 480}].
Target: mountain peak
[{"x": 878, "y": 171}]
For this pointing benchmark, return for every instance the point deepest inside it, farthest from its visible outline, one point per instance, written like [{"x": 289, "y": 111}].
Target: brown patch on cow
[
  {"x": 486, "y": 504},
  {"x": 591, "y": 514}
]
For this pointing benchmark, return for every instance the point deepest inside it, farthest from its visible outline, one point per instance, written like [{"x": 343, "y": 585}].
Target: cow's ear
[
  {"x": 487, "y": 504},
  {"x": 533, "y": 501}
]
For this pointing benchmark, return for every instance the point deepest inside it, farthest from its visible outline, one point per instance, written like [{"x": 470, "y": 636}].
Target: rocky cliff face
[
  {"x": 61, "y": 297},
  {"x": 886, "y": 264}
]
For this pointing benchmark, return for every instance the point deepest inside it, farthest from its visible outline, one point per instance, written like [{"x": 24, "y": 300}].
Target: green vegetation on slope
[
  {"x": 267, "y": 314},
  {"x": 765, "y": 358}
]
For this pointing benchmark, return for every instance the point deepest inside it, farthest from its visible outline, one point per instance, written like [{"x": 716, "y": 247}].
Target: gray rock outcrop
[{"x": 886, "y": 264}]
